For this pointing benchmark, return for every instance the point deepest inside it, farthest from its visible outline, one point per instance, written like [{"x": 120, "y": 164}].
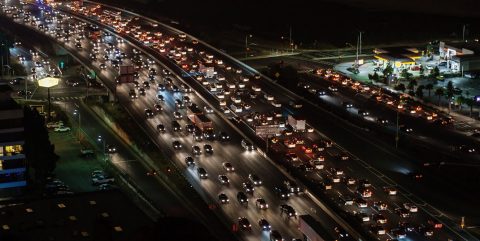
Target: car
[
  {"x": 248, "y": 187},
  {"x": 264, "y": 224},
  {"x": 202, "y": 173},
  {"x": 223, "y": 180},
  {"x": 379, "y": 218},
  {"x": 62, "y": 129},
  {"x": 255, "y": 179},
  {"x": 242, "y": 198},
  {"x": 247, "y": 145},
  {"x": 364, "y": 183},
  {"x": 228, "y": 167},
  {"x": 223, "y": 136},
  {"x": 282, "y": 192},
  {"x": 398, "y": 233},
  {"x": 161, "y": 128},
  {"x": 209, "y": 135},
  {"x": 189, "y": 161},
  {"x": 363, "y": 112},
  {"x": 380, "y": 206},
  {"x": 148, "y": 113},
  {"x": 105, "y": 186},
  {"x": 208, "y": 109},
  {"x": 102, "y": 179},
  {"x": 260, "y": 203},
  {"x": 406, "y": 226},
  {"x": 110, "y": 149},
  {"x": 410, "y": 207},
  {"x": 347, "y": 104},
  {"x": 292, "y": 187},
  {"x": 275, "y": 236},
  {"x": 197, "y": 135},
  {"x": 84, "y": 152},
  {"x": 196, "y": 150},
  {"x": 391, "y": 191},
  {"x": 54, "y": 124},
  {"x": 377, "y": 229},
  {"x": 288, "y": 210},
  {"x": 176, "y": 126},
  {"x": 349, "y": 180},
  {"x": 363, "y": 217},
  {"x": 103, "y": 66},
  {"x": 157, "y": 107},
  {"x": 416, "y": 175},
  {"x": 382, "y": 121},
  {"x": 223, "y": 198},
  {"x": 402, "y": 212},
  {"x": 244, "y": 224},
  {"x": 177, "y": 115},
  {"x": 333, "y": 88},
  {"x": 208, "y": 149},
  {"x": 177, "y": 145},
  {"x": 425, "y": 230},
  {"x": 361, "y": 203},
  {"x": 190, "y": 128}
]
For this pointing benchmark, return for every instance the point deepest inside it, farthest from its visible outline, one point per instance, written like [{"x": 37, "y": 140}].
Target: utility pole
[
  {"x": 360, "y": 43},
  {"x": 463, "y": 32},
  {"x": 291, "y": 43}
]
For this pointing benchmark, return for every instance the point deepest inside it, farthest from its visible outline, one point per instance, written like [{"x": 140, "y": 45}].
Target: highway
[
  {"x": 234, "y": 153},
  {"x": 247, "y": 162}
]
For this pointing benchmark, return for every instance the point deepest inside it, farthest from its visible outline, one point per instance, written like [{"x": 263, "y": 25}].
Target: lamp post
[
  {"x": 48, "y": 83},
  {"x": 246, "y": 44},
  {"x": 101, "y": 140},
  {"x": 77, "y": 113}
]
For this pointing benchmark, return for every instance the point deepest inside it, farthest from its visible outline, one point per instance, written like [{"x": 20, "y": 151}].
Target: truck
[
  {"x": 202, "y": 122},
  {"x": 126, "y": 74},
  {"x": 297, "y": 123}
]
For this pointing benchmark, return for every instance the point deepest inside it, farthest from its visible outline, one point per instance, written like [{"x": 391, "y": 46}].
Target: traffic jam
[{"x": 380, "y": 207}]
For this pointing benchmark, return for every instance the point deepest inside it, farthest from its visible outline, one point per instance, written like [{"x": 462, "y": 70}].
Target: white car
[
  {"x": 101, "y": 179},
  {"x": 54, "y": 124},
  {"x": 62, "y": 129},
  {"x": 208, "y": 109},
  {"x": 410, "y": 207}
]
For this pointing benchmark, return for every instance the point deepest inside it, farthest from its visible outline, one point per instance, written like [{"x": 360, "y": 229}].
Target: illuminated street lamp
[
  {"x": 246, "y": 44},
  {"x": 102, "y": 140},
  {"x": 48, "y": 83},
  {"x": 77, "y": 113}
]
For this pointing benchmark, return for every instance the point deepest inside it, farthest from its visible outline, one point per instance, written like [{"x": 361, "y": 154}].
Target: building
[
  {"x": 460, "y": 56},
  {"x": 397, "y": 57},
  {"x": 12, "y": 157}
]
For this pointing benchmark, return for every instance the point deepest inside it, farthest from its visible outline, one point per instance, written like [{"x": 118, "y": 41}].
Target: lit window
[{"x": 15, "y": 149}]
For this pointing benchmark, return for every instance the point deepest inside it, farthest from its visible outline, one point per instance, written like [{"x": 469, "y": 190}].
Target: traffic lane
[
  {"x": 210, "y": 163},
  {"x": 125, "y": 162}
]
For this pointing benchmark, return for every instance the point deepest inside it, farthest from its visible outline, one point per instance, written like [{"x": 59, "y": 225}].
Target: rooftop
[
  {"x": 474, "y": 46},
  {"x": 403, "y": 54}
]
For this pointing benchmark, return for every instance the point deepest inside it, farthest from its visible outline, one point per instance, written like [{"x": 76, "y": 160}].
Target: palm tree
[
  {"x": 470, "y": 102},
  {"x": 419, "y": 91},
  {"x": 450, "y": 92},
  {"x": 460, "y": 101},
  {"x": 429, "y": 87},
  {"x": 439, "y": 93}
]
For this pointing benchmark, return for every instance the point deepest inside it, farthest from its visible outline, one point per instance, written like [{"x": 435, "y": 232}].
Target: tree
[
  {"x": 388, "y": 70},
  {"x": 412, "y": 84},
  {"x": 470, "y": 102},
  {"x": 435, "y": 72},
  {"x": 449, "y": 94},
  {"x": 419, "y": 91},
  {"x": 405, "y": 74},
  {"x": 400, "y": 87},
  {"x": 460, "y": 100},
  {"x": 375, "y": 76},
  {"x": 439, "y": 92},
  {"x": 39, "y": 152},
  {"x": 429, "y": 87}
]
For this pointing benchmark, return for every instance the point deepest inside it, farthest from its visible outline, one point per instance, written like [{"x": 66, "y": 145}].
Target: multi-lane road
[{"x": 245, "y": 162}]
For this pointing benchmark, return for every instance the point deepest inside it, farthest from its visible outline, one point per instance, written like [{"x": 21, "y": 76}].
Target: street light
[
  {"x": 101, "y": 140},
  {"x": 48, "y": 82},
  {"x": 246, "y": 44},
  {"x": 77, "y": 113}
]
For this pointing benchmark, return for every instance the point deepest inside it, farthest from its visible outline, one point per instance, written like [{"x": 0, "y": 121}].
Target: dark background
[{"x": 330, "y": 22}]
